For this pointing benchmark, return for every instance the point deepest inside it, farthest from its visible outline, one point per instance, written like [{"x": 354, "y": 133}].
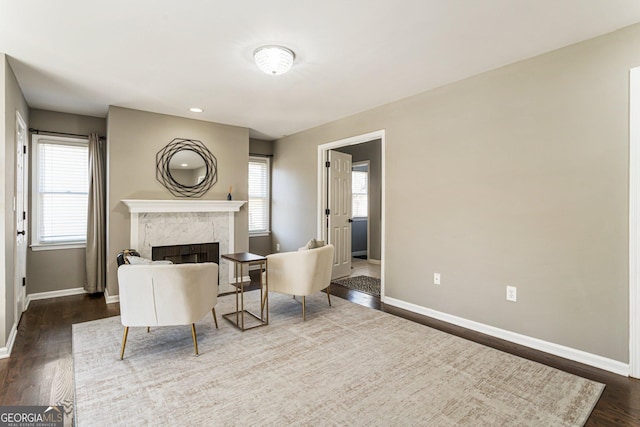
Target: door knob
[
  {"x": 350, "y": 220},
  {"x": 21, "y": 232}
]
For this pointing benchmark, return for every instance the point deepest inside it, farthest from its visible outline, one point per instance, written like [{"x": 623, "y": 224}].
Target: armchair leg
[
  {"x": 328, "y": 295},
  {"x": 195, "y": 339},
  {"x": 215, "y": 319},
  {"x": 124, "y": 341},
  {"x": 304, "y": 314},
  {"x": 148, "y": 329}
]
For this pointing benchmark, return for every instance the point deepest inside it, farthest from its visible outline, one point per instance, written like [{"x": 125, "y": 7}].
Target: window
[
  {"x": 360, "y": 192},
  {"x": 259, "y": 195},
  {"x": 60, "y": 191}
]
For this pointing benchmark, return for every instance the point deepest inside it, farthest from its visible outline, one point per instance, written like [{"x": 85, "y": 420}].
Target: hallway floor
[{"x": 362, "y": 267}]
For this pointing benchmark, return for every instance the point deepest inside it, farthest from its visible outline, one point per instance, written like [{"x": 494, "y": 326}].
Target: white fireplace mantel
[{"x": 142, "y": 206}]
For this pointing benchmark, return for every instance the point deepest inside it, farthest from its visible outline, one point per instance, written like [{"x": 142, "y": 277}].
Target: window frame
[
  {"x": 368, "y": 165},
  {"x": 36, "y": 244},
  {"x": 266, "y": 160}
]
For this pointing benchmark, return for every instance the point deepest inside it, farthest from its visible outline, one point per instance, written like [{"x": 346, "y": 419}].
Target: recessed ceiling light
[
  {"x": 196, "y": 110},
  {"x": 273, "y": 60}
]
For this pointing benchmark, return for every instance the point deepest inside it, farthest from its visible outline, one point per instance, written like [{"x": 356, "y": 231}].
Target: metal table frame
[{"x": 239, "y": 260}]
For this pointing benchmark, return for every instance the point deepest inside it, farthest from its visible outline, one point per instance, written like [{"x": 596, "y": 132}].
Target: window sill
[
  {"x": 260, "y": 234},
  {"x": 59, "y": 246}
]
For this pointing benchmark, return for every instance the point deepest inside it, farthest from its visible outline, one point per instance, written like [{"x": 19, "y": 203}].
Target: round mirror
[{"x": 186, "y": 168}]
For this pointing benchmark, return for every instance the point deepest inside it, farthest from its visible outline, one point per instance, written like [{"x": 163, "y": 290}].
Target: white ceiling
[{"x": 165, "y": 56}]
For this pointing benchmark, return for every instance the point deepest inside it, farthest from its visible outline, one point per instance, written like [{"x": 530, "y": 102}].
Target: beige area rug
[{"x": 346, "y": 365}]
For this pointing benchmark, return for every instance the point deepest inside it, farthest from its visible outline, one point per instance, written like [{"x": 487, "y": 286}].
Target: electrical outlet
[
  {"x": 436, "y": 278},
  {"x": 277, "y": 247},
  {"x": 512, "y": 293}
]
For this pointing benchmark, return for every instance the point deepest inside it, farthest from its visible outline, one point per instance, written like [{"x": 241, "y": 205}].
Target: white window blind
[
  {"x": 258, "y": 194},
  {"x": 360, "y": 194},
  {"x": 60, "y": 190}
]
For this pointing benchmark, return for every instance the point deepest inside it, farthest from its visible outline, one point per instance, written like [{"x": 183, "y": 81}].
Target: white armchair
[
  {"x": 301, "y": 273},
  {"x": 165, "y": 295}
]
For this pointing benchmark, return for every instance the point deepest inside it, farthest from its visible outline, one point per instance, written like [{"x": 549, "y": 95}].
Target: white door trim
[
  {"x": 322, "y": 191},
  {"x": 634, "y": 223},
  {"x": 19, "y": 292}
]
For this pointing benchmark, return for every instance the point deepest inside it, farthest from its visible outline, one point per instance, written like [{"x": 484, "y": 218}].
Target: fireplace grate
[{"x": 191, "y": 253}]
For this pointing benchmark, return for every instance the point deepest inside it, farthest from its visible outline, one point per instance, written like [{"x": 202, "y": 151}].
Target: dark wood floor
[{"x": 39, "y": 369}]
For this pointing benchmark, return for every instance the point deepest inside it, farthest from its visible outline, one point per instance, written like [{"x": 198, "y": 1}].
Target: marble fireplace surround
[{"x": 180, "y": 222}]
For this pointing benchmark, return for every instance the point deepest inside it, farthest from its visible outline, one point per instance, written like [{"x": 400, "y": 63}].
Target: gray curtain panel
[{"x": 96, "y": 225}]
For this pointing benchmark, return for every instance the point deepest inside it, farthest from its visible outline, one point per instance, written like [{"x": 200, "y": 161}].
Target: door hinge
[
  {"x": 24, "y": 215},
  {"x": 327, "y": 164},
  {"x": 327, "y": 211},
  {"x": 24, "y": 281},
  {"x": 24, "y": 149}
]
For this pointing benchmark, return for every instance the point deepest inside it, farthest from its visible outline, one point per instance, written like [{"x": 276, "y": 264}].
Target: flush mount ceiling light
[
  {"x": 273, "y": 60},
  {"x": 196, "y": 110}
]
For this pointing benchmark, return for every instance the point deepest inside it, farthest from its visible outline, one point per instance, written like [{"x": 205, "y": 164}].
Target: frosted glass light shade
[{"x": 273, "y": 60}]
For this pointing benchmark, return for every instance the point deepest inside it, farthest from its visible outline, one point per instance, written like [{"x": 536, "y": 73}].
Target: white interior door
[
  {"x": 21, "y": 204},
  {"x": 339, "y": 205}
]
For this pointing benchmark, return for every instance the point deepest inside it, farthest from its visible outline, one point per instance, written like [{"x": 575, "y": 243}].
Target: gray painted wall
[
  {"x": 359, "y": 236},
  {"x": 12, "y": 101},
  {"x": 371, "y": 151},
  {"x": 261, "y": 245},
  {"x": 518, "y": 176},
  {"x": 259, "y": 146},
  {"x": 59, "y": 269},
  {"x": 134, "y": 138}
]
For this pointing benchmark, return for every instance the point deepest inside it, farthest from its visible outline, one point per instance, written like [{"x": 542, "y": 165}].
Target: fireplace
[
  {"x": 156, "y": 223},
  {"x": 191, "y": 253}
]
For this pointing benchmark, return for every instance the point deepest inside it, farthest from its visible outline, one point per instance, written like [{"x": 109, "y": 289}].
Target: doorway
[
  {"x": 375, "y": 245},
  {"x": 360, "y": 233}
]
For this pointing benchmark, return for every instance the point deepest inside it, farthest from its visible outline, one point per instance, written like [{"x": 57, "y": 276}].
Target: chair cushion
[
  {"x": 136, "y": 260},
  {"x": 312, "y": 244}
]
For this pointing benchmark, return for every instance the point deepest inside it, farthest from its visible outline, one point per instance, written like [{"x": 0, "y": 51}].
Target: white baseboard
[
  {"x": 110, "y": 299},
  {"x": 374, "y": 261},
  {"x": 576, "y": 355},
  {"x": 6, "y": 351},
  {"x": 53, "y": 294}
]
